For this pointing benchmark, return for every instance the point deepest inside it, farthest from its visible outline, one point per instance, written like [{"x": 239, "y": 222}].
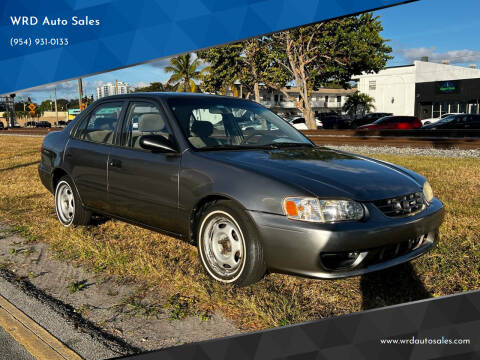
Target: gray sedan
[{"x": 252, "y": 199}]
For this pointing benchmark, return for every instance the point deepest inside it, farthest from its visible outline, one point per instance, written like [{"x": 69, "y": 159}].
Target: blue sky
[{"x": 439, "y": 29}]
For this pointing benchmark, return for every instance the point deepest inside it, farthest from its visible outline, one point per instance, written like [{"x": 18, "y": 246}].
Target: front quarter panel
[{"x": 201, "y": 177}]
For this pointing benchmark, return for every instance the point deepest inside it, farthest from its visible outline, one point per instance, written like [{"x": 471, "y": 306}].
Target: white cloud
[
  {"x": 453, "y": 56},
  {"x": 140, "y": 84}
]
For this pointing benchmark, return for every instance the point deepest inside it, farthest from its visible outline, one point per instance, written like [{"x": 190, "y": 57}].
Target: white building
[
  {"x": 322, "y": 100},
  {"x": 109, "y": 89},
  {"x": 423, "y": 89}
]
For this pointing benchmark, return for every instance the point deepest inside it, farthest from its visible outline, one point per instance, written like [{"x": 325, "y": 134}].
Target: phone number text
[{"x": 28, "y": 42}]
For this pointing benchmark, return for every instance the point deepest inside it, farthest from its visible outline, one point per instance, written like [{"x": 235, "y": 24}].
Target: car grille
[
  {"x": 389, "y": 252},
  {"x": 402, "y": 205},
  {"x": 341, "y": 261}
]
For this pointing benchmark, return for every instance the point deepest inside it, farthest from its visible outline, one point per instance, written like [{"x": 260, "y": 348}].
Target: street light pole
[
  {"x": 56, "y": 108},
  {"x": 80, "y": 93}
]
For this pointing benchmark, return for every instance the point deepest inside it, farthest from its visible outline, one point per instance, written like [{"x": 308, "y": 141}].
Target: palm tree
[
  {"x": 358, "y": 101},
  {"x": 184, "y": 71}
]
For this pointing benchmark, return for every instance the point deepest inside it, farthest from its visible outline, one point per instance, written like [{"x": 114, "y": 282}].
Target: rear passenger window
[
  {"x": 143, "y": 119},
  {"x": 101, "y": 124}
]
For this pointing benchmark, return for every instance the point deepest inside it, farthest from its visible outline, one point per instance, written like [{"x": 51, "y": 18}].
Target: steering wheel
[{"x": 253, "y": 134}]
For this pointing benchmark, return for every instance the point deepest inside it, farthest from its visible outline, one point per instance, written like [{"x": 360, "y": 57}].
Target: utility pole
[
  {"x": 80, "y": 93},
  {"x": 56, "y": 108},
  {"x": 116, "y": 87}
]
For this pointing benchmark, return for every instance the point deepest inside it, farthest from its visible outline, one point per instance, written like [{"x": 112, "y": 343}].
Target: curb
[{"x": 35, "y": 339}]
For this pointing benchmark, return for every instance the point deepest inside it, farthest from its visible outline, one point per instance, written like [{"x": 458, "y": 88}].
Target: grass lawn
[{"x": 167, "y": 265}]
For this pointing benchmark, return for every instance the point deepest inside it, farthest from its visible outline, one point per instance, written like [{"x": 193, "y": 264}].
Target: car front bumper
[{"x": 297, "y": 247}]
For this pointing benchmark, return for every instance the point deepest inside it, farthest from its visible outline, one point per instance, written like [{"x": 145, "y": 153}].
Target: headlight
[
  {"x": 316, "y": 210},
  {"x": 427, "y": 192}
]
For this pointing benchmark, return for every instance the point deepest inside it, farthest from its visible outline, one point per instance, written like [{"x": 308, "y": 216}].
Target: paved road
[{"x": 10, "y": 349}]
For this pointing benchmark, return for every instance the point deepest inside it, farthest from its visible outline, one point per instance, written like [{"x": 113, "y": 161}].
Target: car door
[
  {"x": 142, "y": 184},
  {"x": 474, "y": 122},
  {"x": 86, "y": 153},
  {"x": 457, "y": 123}
]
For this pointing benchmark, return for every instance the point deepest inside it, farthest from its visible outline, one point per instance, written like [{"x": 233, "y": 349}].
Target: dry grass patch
[{"x": 171, "y": 267}]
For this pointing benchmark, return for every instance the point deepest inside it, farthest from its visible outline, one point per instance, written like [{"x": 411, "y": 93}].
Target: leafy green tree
[
  {"x": 46, "y": 105},
  {"x": 315, "y": 55},
  {"x": 358, "y": 101},
  {"x": 240, "y": 63},
  {"x": 155, "y": 87},
  {"x": 224, "y": 69},
  {"x": 62, "y": 104},
  {"x": 184, "y": 71}
]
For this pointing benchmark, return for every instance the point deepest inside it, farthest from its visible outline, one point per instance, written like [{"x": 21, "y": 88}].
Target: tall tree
[
  {"x": 184, "y": 71},
  {"x": 225, "y": 68},
  {"x": 330, "y": 51},
  {"x": 231, "y": 64},
  {"x": 358, "y": 101}
]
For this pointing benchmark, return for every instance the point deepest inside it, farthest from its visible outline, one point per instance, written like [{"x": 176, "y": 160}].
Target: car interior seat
[
  {"x": 103, "y": 132},
  {"x": 200, "y": 134},
  {"x": 149, "y": 124}
]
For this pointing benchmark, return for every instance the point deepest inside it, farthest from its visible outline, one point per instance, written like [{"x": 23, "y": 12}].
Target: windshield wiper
[
  {"x": 253, "y": 146},
  {"x": 228, "y": 147},
  {"x": 287, "y": 144}
]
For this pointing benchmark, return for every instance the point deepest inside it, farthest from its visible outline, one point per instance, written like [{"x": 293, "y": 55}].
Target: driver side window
[{"x": 143, "y": 118}]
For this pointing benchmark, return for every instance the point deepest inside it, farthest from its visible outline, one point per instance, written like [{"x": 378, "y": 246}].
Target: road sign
[
  {"x": 32, "y": 112},
  {"x": 32, "y": 106},
  {"x": 83, "y": 106}
]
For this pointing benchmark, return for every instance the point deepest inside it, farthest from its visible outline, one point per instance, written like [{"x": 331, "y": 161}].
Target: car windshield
[{"x": 213, "y": 123}]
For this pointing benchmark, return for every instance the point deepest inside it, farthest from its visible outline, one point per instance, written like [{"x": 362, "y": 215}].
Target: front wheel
[
  {"x": 228, "y": 245},
  {"x": 68, "y": 206}
]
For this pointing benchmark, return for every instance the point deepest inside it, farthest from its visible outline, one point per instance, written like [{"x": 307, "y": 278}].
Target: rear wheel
[
  {"x": 228, "y": 245},
  {"x": 68, "y": 206}
]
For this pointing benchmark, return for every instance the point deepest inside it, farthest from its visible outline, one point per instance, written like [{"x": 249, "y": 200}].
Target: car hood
[{"x": 325, "y": 172}]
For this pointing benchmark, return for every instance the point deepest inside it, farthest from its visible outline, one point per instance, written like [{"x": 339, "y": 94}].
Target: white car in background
[
  {"x": 434, "y": 120},
  {"x": 300, "y": 124}
]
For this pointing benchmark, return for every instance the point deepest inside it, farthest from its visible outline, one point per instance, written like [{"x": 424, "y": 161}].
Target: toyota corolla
[{"x": 252, "y": 199}]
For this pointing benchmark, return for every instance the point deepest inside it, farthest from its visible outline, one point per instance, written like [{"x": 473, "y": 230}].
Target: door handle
[{"x": 115, "y": 163}]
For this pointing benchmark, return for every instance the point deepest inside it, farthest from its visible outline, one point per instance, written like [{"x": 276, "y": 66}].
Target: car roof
[{"x": 166, "y": 95}]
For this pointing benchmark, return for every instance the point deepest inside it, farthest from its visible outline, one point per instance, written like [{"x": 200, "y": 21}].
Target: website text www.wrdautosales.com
[{"x": 425, "y": 341}]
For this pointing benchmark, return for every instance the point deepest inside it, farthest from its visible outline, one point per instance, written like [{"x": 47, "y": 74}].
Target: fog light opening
[{"x": 342, "y": 260}]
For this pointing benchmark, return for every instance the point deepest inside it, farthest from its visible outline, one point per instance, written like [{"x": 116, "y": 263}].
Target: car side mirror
[{"x": 156, "y": 143}]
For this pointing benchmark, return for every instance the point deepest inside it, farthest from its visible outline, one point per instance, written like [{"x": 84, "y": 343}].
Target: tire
[
  {"x": 68, "y": 207},
  {"x": 229, "y": 246}
]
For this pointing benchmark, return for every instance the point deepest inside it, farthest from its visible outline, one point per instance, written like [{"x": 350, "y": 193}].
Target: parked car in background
[
  {"x": 369, "y": 119},
  {"x": 461, "y": 122},
  {"x": 60, "y": 123},
  {"x": 252, "y": 202},
  {"x": 394, "y": 122},
  {"x": 335, "y": 121},
  {"x": 299, "y": 123},
  {"x": 434, "y": 120},
  {"x": 30, "y": 124},
  {"x": 43, "y": 124}
]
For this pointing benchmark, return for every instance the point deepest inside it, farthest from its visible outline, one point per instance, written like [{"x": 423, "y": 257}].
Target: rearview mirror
[{"x": 156, "y": 143}]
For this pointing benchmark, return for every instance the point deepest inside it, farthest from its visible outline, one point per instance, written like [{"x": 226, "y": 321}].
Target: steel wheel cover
[
  {"x": 223, "y": 246},
  {"x": 65, "y": 203}
]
